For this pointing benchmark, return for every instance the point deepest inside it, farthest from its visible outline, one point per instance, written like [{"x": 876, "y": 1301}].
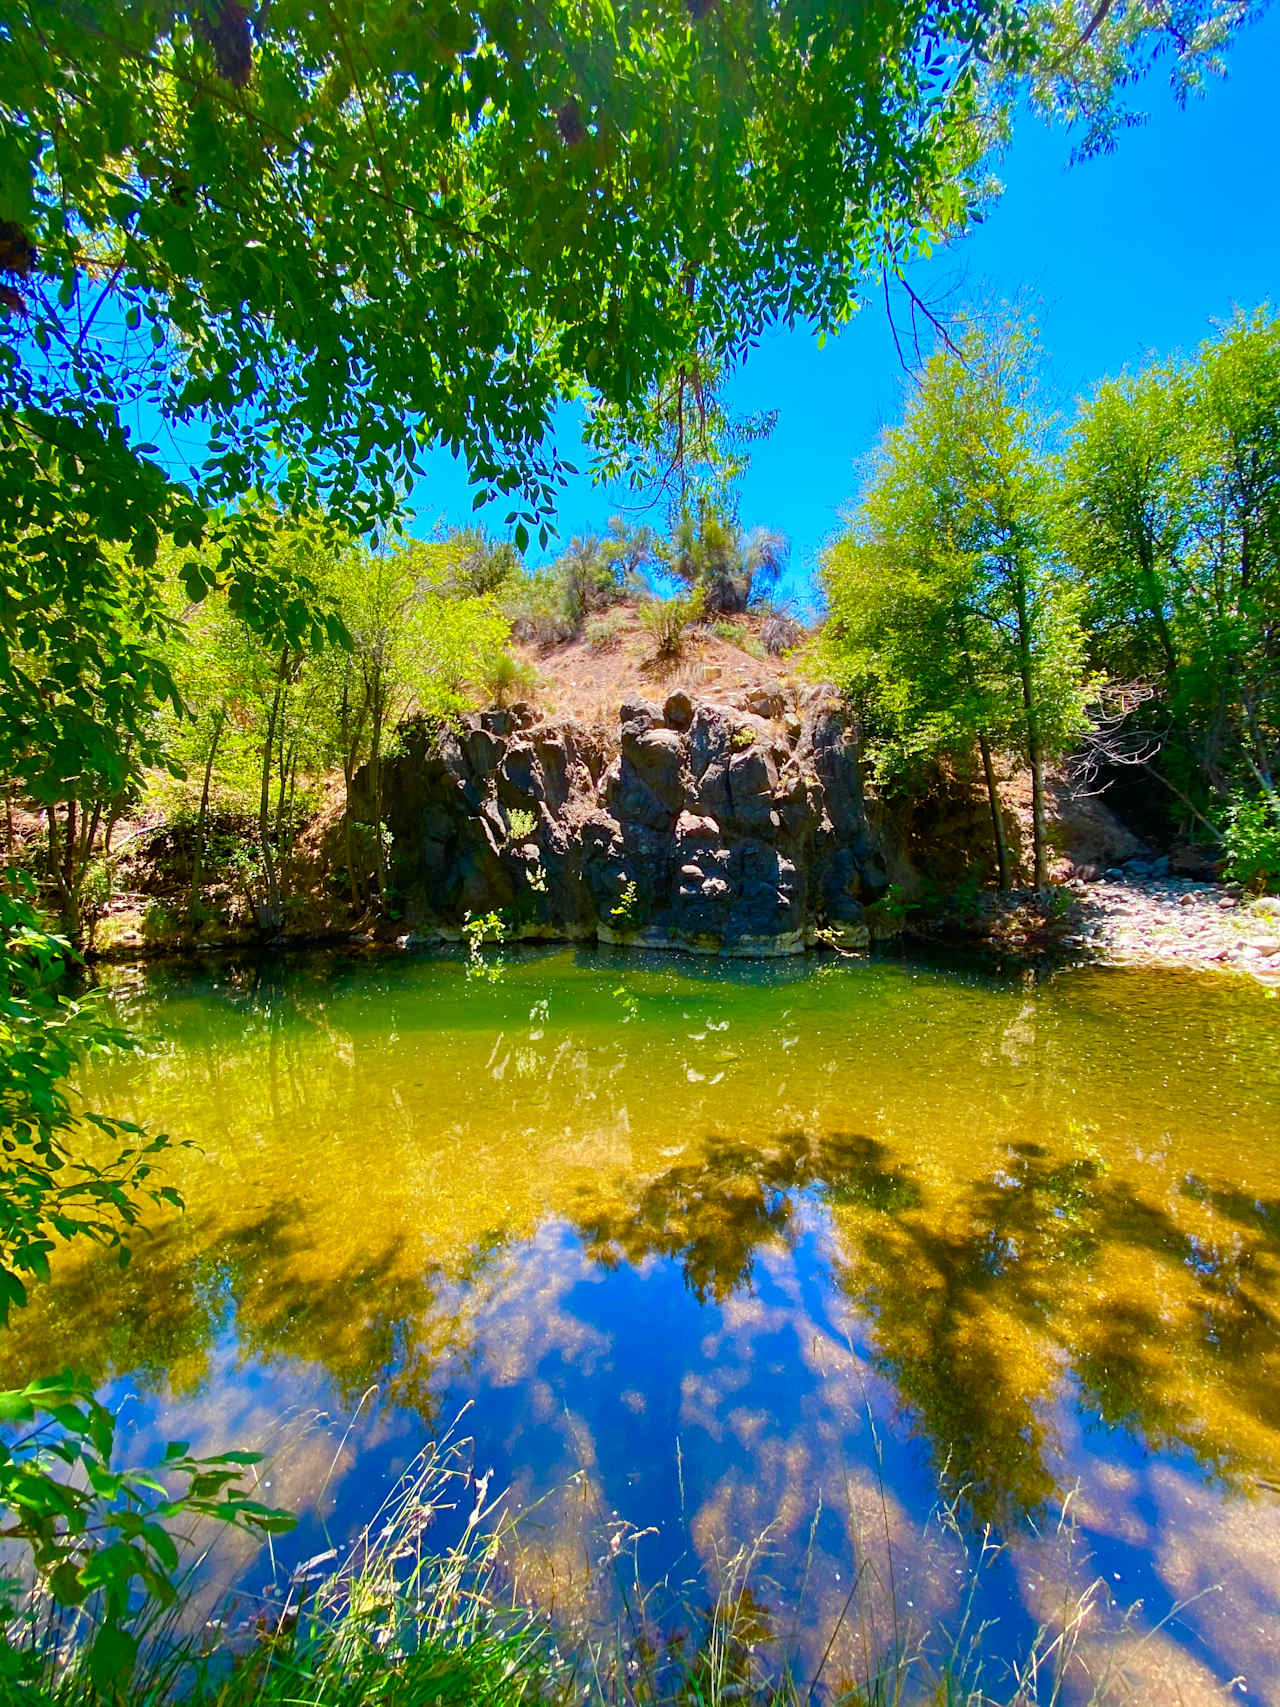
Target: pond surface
[{"x": 804, "y": 1250}]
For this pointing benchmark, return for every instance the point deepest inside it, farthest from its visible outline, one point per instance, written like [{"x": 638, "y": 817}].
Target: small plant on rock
[{"x": 625, "y": 913}]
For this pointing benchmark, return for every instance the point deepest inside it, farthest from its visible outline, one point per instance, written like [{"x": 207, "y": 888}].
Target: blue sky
[{"x": 1118, "y": 258}]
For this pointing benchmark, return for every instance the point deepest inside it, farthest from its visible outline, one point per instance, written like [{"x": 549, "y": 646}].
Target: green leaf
[{"x": 112, "y": 1655}]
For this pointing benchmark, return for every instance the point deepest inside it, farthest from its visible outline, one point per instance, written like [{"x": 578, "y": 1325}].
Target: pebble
[{"x": 1178, "y": 922}]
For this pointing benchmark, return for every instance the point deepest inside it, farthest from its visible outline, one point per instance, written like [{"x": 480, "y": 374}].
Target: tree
[
  {"x": 731, "y": 567},
  {"x": 417, "y": 644},
  {"x": 948, "y": 610},
  {"x": 1170, "y": 514}
]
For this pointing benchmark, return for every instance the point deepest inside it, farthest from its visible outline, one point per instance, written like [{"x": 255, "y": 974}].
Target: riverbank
[
  {"x": 1175, "y": 922},
  {"x": 1124, "y": 919},
  {"x": 1119, "y": 920}
]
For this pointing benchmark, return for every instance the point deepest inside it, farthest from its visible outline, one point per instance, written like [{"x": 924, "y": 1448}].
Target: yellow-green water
[{"x": 803, "y": 1248}]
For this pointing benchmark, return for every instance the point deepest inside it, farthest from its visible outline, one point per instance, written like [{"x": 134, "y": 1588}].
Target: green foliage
[
  {"x": 538, "y": 611},
  {"x": 507, "y": 680},
  {"x": 478, "y": 931},
  {"x": 1251, "y": 844},
  {"x": 603, "y": 633},
  {"x": 99, "y": 1541},
  {"x": 1082, "y": 68},
  {"x": 502, "y": 227},
  {"x": 86, "y": 1538},
  {"x": 734, "y": 634},
  {"x": 263, "y": 719},
  {"x": 50, "y": 1190},
  {"x": 596, "y": 572},
  {"x": 685, "y": 449},
  {"x": 667, "y": 621},
  {"x": 625, "y": 912},
  {"x": 731, "y": 569},
  {"x": 1170, "y": 514},
  {"x": 952, "y": 623}
]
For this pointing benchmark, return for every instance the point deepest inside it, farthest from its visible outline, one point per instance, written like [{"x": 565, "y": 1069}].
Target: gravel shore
[{"x": 1172, "y": 921}]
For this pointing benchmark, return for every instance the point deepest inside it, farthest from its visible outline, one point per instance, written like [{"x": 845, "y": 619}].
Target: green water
[{"x": 803, "y": 1248}]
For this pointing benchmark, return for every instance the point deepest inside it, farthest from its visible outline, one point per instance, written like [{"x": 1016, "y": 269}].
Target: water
[{"x": 722, "y": 1250}]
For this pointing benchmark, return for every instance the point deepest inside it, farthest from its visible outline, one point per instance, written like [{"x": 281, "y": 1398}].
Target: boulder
[{"x": 677, "y": 713}]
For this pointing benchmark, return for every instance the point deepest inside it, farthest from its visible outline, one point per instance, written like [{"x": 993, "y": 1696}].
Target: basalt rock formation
[{"x": 731, "y": 829}]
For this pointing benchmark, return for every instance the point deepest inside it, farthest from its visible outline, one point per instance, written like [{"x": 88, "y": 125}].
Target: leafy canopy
[{"x": 331, "y": 233}]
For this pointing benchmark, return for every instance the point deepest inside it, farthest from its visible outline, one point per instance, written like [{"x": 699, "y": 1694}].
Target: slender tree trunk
[
  {"x": 270, "y": 917},
  {"x": 1030, "y": 712},
  {"x": 352, "y": 730},
  {"x": 988, "y": 769},
  {"x": 1155, "y": 607},
  {"x": 68, "y": 906},
  {"x": 202, "y": 817},
  {"x": 69, "y": 848},
  {"x": 348, "y": 772},
  {"x": 8, "y": 820},
  {"x": 375, "y": 777},
  {"x": 1262, "y": 770},
  {"x": 997, "y": 817}
]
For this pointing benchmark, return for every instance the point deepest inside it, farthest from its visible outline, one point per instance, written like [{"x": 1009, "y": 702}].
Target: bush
[
  {"x": 780, "y": 633},
  {"x": 538, "y": 612},
  {"x": 666, "y": 621},
  {"x": 734, "y": 635},
  {"x": 509, "y": 679},
  {"x": 602, "y": 633},
  {"x": 1251, "y": 843}
]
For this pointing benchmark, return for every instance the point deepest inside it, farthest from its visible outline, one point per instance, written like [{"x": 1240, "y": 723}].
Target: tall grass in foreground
[{"x": 398, "y": 1622}]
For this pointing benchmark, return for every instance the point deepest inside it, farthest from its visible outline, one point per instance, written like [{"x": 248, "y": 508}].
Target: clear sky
[{"x": 1132, "y": 254}]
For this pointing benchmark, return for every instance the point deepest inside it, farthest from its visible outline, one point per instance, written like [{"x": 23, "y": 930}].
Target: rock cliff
[{"x": 732, "y": 829}]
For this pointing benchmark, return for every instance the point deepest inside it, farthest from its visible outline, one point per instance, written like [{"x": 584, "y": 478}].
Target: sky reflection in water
[{"x": 808, "y": 1246}]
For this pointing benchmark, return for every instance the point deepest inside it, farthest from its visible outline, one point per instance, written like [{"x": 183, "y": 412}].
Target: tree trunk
[
  {"x": 375, "y": 777},
  {"x": 1032, "y": 722},
  {"x": 202, "y": 817},
  {"x": 352, "y": 730},
  {"x": 68, "y": 901},
  {"x": 270, "y": 913},
  {"x": 997, "y": 817}
]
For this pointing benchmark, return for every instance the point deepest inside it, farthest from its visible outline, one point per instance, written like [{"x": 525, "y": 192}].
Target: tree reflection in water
[{"x": 449, "y": 1201}]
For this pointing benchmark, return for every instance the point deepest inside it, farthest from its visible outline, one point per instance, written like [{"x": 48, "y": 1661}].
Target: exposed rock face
[{"x": 711, "y": 827}]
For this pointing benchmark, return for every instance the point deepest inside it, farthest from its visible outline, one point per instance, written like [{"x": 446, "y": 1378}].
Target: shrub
[
  {"x": 602, "y": 633},
  {"x": 1251, "y": 843},
  {"x": 666, "y": 621},
  {"x": 158, "y": 924},
  {"x": 779, "y": 633},
  {"x": 536, "y": 608},
  {"x": 509, "y": 679},
  {"x": 743, "y": 638}
]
